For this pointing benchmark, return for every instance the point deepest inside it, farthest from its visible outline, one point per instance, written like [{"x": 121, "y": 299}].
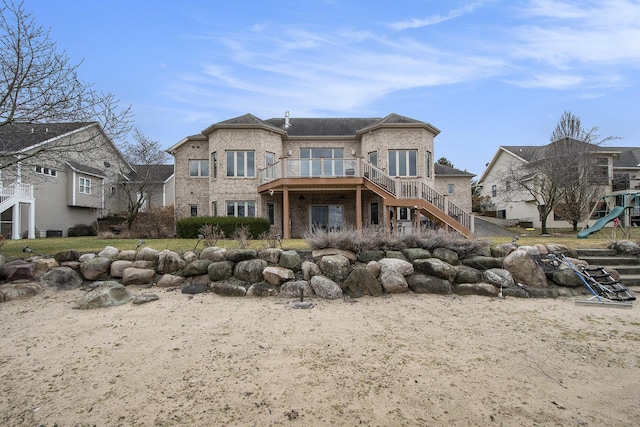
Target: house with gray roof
[
  {"x": 328, "y": 173},
  {"x": 57, "y": 176}
]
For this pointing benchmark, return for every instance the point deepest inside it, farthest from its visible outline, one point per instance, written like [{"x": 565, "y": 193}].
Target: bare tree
[
  {"x": 145, "y": 155},
  {"x": 39, "y": 84},
  {"x": 568, "y": 172}
]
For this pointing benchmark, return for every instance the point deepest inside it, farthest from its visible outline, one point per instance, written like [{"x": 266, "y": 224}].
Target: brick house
[{"x": 320, "y": 172}]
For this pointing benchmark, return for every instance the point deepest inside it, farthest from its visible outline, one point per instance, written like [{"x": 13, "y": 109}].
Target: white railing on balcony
[
  {"x": 400, "y": 188},
  {"x": 16, "y": 190}
]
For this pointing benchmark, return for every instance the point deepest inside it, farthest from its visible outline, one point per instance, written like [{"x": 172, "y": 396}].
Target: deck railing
[{"x": 16, "y": 190}]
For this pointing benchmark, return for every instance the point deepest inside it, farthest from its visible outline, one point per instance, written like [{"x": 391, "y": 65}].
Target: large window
[
  {"x": 598, "y": 170},
  {"x": 241, "y": 208},
  {"x": 403, "y": 162},
  {"x": 322, "y": 161},
  {"x": 328, "y": 218},
  {"x": 84, "y": 186},
  {"x": 198, "y": 168},
  {"x": 241, "y": 164}
]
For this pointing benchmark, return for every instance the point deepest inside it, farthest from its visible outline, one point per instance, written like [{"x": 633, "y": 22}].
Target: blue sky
[{"x": 485, "y": 72}]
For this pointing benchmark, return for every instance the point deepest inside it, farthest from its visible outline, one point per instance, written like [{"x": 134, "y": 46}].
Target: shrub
[
  {"x": 79, "y": 230},
  {"x": 210, "y": 234},
  {"x": 242, "y": 236},
  {"x": 188, "y": 228},
  {"x": 156, "y": 222}
]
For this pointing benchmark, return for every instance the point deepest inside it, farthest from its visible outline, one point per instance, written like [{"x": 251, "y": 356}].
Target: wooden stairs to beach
[{"x": 627, "y": 265}]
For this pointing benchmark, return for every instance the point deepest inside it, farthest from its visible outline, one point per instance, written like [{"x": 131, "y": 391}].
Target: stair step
[
  {"x": 630, "y": 281},
  {"x": 626, "y": 270},
  {"x": 596, "y": 252},
  {"x": 610, "y": 260}
]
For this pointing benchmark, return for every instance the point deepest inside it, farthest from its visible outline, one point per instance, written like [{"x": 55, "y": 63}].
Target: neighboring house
[
  {"x": 328, "y": 173},
  {"x": 454, "y": 184},
  {"x": 157, "y": 184},
  {"x": 617, "y": 169},
  {"x": 65, "y": 175}
]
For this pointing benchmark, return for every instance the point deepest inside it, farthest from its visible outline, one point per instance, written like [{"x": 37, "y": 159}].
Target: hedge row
[{"x": 189, "y": 228}]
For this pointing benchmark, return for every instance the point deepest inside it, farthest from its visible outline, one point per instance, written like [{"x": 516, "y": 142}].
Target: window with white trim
[
  {"x": 241, "y": 208},
  {"x": 241, "y": 164},
  {"x": 403, "y": 162},
  {"x": 198, "y": 168},
  {"x": 450, "y": 188},
  {"x": 46, "y": 171},
  {"x": 84, "y": 186}
]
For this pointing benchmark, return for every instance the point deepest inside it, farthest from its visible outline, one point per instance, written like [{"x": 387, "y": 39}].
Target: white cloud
[{"x": 437, "y": 19}]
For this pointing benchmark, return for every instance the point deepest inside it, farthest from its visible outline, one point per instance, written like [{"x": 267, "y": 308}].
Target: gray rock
[
  {"x": 109, "y": 252},
  {"x": 564, "y": 276},
  {"x": 318, "y": 254},
  {"x": 400, "y": 265},
  {"x": 498, "y": 277},
  {"x": 392, "y": 281},
  {"x": 169, "y": 262},
  {"x": 237, "y": 255},
  {"x": 18, "y": 291},
  {"x": 229, "y": 288},
  {"x": 625, "y": 247},
  {"x": 146, "y": 254},
  {"x": 371, "y": 255},
  {"x": 484, "y": 289},
  {"x": 361, "y": 282},
  {"x": 86, "y": 257},
  {"x": 374, "y": 268},
  {"x": 435, "y": 267},
  {"x": 423, "y": 284},
  {"x": 309, "y": 269},
  {"x": 395, "y": 254},
  {"x": 524, "y": 269},
  {"x": 446, "y": 255},
  {"x": 529, "y": 249},
  {"x": 142, "y": 263},
  {"x": 412, "y": 254},
  {"x": 170, "y": 281},
  {"x": 63, "y": 256},
  {"x": 196, "y": 268},
  {"x": 465, "y": 274},
  {"x": 104, "y": 294},
  {"x": 118, "y": 266},
  {"x": 95, "y": 268},
  {"x": 220, "y": 270},
  {"x": 483, "y": 262},
  {"x": 145, "y": 298},
  {"x": 250, "y": 270},
  {"x": 277, "y": 275},
  {"x": 325, "y": 288},
  {"x": 214, "y": 253},
  {"x": 137, "y": 276},
  {"x": 271, "y": 255},
  {"x": 18, "y": 270},
  {"x": 292, "y": 289},
  {"x": 194, "y": 288},
  {"x": 262, "y": 289},
  {"x": 290, "y": 260},
  {"x": 189, "y": 256},
  {"x": 62, "y": 278},
  {"x": 128, "y": 255},
  {"x": 502, "y": 250},
  {"x": 335, "y": 267}
]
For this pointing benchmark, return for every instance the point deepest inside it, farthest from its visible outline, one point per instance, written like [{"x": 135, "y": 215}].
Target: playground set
[{"x": 621, "y": 208}]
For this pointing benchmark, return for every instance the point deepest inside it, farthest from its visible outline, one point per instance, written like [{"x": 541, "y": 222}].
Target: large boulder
[
  {"x": 277, "y": 275},
  {"x": 228, "y": 288},
  {"x": 335, "y": 267},
  {"x": 565, "y": 276},
  {"x": 18, "y": 270},
  {"x": 104, "y": 294},
  {"x": 325, "y": 288},
  {"x": 64, "y": 256},
  {"x": 320, "y": 253},
  {"x": 423, "y": 284},
  {"x": 625, "y": 247},
  {"x": 146, "y": 254},
  {"x": 498, "y": 277},
  {"x": 483, "y": 262},
  {"x": 62, "y": 278},
  {"x": 170, "y": 281},
  {"x": 18, "y": 291},
  {"x": 214, "y": 253},
  {"x": 127, "y": 255},
  {"x": 435, "y": 267},
  {"x": 465, "y": 274},
  {"x": 309, "y": 269},
  {"x": 370, "y": 255},
  {"x": 237, "y": 255},
  {"x": 361, "y": 282},
  {"x": 196, "y": 268},
  {"x": 109, "y": 252},
  {"x": 392, "y": 281},
  {"x": 262, "y": 289},
  {"x": 290, "y": 260},
  {"x": 412, "y": 254},
  {"x": 400, "y": 265},
  {"x": 193, "y": 288},
  {"x": 118, "y": 267},
  {"x": 524, "y": 269},
  {"x": 292, "y": 289},
  {"x": 168, "y": 262},
  {"x": 271, "y": 255},
  {"x": 446, "y": 255},
  {"x": 484, "y": 289},
  {"x": 220, "y": 270},
  {"x": 138, "y": 276},
  {"x": 250, "y": 270},
  {"x": 95, "y": 268}
]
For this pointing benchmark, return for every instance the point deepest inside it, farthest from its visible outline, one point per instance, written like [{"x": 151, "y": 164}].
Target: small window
[
  {"x": 373, "y": 158},
  {"x": 450, "y": 188},
  {"x": 429, "y": 164},
  {"x": 194, "y": 210},
  {"x": 214, "y": 208},
  {"x": 404, "y": 214},
  {"x": 214, "y": 164},
  {"x": 271, "y": 213},
  {"x": 375, "y": 218},
  {"x": 46, "y": 171},
  {"x": 494, "y": 191},
  {"x": 84, "y": 186},
  {"x": 112, "y": 190},
  {"x": 507, "y": 186},
  {"x": 198, "y": 168}
]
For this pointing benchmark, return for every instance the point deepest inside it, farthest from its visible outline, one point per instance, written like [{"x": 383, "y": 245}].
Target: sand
[{"x": 399, "y": 360}]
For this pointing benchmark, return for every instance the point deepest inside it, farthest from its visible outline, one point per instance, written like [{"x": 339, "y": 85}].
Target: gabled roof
[
  {"x": 301, "y": 126},
  {"x": 154, "y": 173},
  {"x": 443, "y": 170},
  {"x": 79, "y": 167},
  {"x": 16, "y": 137}
]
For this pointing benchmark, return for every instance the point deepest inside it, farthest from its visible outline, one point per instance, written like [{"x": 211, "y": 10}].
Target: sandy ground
[{"x": 402, "y": 360}]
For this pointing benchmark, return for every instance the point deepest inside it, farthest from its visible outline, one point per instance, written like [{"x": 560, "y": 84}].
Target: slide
[{"x": 615, "y": 213}]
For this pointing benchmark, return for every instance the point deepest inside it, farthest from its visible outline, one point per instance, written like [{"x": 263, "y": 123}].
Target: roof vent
[{"x": 286, "y": 125}]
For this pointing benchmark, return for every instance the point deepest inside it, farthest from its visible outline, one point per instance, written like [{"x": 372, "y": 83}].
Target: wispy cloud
[{"x": 436, "y": 19}]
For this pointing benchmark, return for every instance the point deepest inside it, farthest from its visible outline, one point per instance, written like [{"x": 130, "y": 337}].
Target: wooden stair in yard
[{"x": 627, "y": 265}]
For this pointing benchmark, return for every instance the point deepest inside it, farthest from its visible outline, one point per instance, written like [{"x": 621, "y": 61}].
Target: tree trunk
[{"x": 575, "y": 225}]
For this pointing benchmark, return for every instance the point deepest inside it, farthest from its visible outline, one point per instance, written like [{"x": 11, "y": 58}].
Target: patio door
[{"x": 327, "y": 217}]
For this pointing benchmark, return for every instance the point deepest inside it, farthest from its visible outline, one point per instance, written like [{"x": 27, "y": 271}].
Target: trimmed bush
[{"x": 188, "y": 228}]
